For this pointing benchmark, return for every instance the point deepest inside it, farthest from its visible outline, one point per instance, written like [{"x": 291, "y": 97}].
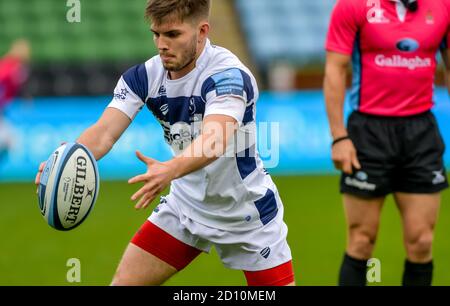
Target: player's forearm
[
  {"x": 334, "y": 91},
  {"x": 204, "y": 150},
  {"x": 101, "y": 137},
  {"x": 217, "y": 132},
  {"x": 97, "y": 141}
]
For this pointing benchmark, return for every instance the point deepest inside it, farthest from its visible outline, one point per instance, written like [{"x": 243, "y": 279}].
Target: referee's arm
[
  {"x": 343, "y": 153},
  {"x": 334, "y": 90},
  {"x": 446, "y": 57}
]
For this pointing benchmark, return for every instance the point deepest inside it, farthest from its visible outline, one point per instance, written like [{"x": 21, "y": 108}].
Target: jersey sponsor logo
[
  {"x": 181, "y": 134},
  {"x": 439, "y": 177},
  {"x": 407, "y": 45},
  {"x": 180, "y": 117},
  {"x": 122, "y": 95},
  {"x": 360, "y": 181},
  {"x": 229, "y": 82},
  {"x": 363, "y": 185},
  {"x": 361, "y": 175},
  {"x": 398, "y": 61},
  {"x": 375, "y": 14}
]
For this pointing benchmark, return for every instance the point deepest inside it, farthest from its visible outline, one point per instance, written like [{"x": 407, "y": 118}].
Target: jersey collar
[{"x": 203, "y": 58}]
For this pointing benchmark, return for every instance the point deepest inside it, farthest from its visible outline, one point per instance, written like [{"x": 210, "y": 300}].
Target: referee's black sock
[
  {"x": 353, "y": 272},
  {"x": 417, "y": 274}
]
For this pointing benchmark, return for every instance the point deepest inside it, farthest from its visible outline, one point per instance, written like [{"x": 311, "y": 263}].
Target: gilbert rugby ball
[{"x": 68, "y": 187}]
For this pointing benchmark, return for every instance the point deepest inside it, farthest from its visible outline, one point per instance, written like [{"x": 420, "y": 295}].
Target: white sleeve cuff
[{"x": 229, "y": 105}]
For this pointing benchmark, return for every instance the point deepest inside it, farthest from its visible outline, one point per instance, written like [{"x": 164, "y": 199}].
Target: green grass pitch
[{"x": 34, "y": 254}]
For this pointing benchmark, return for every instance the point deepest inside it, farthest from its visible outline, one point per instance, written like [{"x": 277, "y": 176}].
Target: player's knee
[{"x": 419, "y": 246}]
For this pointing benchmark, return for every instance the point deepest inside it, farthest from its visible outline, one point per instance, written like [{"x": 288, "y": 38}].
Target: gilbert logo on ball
[{"x": 69, "y": 186}]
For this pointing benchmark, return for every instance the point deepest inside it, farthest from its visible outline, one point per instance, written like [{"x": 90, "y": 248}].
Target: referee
[{"x": 391, "y": 143}]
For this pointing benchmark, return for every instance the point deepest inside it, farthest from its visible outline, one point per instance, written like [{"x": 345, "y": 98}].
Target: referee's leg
[
  {"x": 363, "y": 218},
  {"x": 419, "y": 214}
]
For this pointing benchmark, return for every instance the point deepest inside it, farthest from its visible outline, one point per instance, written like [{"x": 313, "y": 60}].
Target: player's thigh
[
  {"x": 362, "y": 214},
  {"x": 419, "y": 213},
  {"x": 140, "y": 268},
  {"x": 160, "y": 248}
]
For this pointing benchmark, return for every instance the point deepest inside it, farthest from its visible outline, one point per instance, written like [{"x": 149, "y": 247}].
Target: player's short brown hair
[{"x": 179, "y": 10}]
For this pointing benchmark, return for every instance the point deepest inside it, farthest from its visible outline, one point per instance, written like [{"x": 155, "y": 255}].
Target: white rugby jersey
[{"x": 235, "y": 191}]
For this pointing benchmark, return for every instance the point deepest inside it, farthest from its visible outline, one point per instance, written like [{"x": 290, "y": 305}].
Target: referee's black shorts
[{"x": 397, "y": 154}]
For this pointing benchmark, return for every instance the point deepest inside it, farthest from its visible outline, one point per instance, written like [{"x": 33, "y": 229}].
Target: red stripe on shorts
[
  {"x": 164, "y": 246},
  {"x": 281, "y": 275}
]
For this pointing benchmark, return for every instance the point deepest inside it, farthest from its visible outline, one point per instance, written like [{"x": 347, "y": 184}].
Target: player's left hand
[{"x": 156, "y": 179}]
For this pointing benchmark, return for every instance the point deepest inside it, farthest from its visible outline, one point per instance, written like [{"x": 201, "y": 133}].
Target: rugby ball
[{"x": 68, "y": 187}]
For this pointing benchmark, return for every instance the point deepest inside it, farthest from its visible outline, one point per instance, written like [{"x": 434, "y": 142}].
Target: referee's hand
[{"x": 344, "y": 156}]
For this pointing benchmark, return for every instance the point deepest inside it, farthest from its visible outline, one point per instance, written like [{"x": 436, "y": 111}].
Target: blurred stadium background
[{"x": 73, "y": 72}]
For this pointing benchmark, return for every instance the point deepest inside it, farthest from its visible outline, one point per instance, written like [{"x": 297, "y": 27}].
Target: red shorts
[{"x": 176, "y": 253}]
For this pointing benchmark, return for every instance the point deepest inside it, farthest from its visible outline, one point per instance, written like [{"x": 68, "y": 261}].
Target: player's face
[{"x": 177, "y": 43}]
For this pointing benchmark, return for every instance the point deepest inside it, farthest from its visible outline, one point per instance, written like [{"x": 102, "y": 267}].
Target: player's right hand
[
  {"x": 38, "y": 175},
  {"x": 37, "y": 180},
  {"x": 344, "y": 156}
]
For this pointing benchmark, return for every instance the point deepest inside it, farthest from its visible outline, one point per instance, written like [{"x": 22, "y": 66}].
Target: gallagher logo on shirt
[{"x": 407, "y": 45}]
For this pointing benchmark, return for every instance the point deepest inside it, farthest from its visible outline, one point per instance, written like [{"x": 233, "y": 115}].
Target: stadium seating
[
  {"x": 77, "y": 58},
  {"x": 88, "y": 57},
  {"x": 109, "y": 30},
  {"x": 293, "y": 30}
]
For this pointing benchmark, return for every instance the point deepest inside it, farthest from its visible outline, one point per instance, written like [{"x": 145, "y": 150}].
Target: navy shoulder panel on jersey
[
  {"x": 233, "y": 81},
  {"x": 136, "y": 78}
]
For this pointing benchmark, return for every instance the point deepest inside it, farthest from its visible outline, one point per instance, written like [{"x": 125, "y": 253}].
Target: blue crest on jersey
[{"x": 408, "y": 45}]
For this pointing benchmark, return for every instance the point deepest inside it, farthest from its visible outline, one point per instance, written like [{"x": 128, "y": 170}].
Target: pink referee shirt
[
  {"x": 12, "y": 76},
  {"x": 393, "y": 52}
]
